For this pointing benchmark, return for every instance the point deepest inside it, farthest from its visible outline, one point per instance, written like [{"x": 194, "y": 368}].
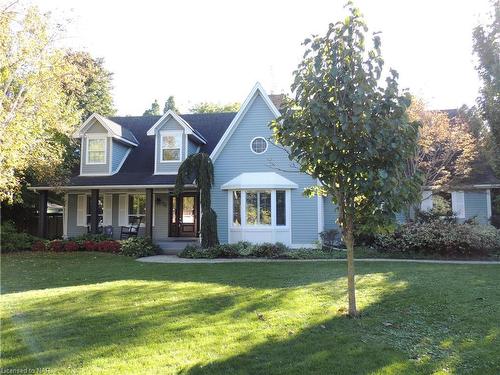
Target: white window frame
[
  {"x": 243, "y": 210},
  {"x": 176, "y": 134},
  {"x": 259, "y": 153},
  {"x": 93, "y": 137}
]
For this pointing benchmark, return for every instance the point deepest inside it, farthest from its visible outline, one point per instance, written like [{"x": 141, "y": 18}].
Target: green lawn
[{"x": 98, "y": 313}]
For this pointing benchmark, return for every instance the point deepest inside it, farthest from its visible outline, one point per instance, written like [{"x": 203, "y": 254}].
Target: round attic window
[{"x": 258, "y": 145}]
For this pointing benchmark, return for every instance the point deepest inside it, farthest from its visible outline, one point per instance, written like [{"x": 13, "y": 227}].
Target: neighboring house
[
  {"x": 469, "y": 197},
  {"x": 129, "y": 165}
]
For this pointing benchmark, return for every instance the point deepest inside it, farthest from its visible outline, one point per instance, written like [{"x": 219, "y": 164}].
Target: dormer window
[
  {"x": 171, "y": 146},
  {"x": 96, "y": 149}
]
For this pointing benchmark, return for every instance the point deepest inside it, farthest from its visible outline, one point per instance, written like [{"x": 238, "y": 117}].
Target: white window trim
[
  {"x": 259, "y": 153},
  {"x": 458, "y": 203},
  {"x": 176, "y": 133},
  {"x": 88, "y": 137},
  {"x": 259, "y": 227}
]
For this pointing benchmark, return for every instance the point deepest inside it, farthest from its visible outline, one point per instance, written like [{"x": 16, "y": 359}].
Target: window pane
[
  {"x": 96, "y": 144},
  {"x": 251, "y": 205},
  {"x": 171, "y": 154},
  {"x": 280, "y": 207},
  {"x": 171, "y": 147},
  {"x": 259, "y": 145},
  {"x": 188, "y": 210},
  {"x": 236, "y": 207},
  {"x": 265, "y": 208},
  {"x": 96, "y": 150}
]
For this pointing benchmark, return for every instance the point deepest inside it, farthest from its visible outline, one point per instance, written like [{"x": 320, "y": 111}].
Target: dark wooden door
[{"x": 183, "y": 215}]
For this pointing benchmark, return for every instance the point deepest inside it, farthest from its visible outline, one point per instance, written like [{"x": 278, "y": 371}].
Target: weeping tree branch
[{"x": 199, "y": 167}]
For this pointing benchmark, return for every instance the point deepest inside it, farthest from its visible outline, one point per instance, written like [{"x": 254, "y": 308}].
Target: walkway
[{"x": 175, "y": 259}]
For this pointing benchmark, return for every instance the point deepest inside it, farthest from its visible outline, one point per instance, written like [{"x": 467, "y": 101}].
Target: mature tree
[
  {"x": 487, "y": 49},
  {"x": 36, "y": 116},
  {"x": 350, "y": 133},
  {"x": 446, "y": 147},
  {"x": 154, "y": 110},
  {"x": 207, "y": 107},
  {"x": 199, "y": 166},
  {"x": 91, "y": 86},
  {"x": 170, "y": 105}
]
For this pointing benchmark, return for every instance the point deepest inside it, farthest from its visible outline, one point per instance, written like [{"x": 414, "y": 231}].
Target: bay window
[
  {"x": 259, "y": 208},
  {"x": 171, "y": 146}
]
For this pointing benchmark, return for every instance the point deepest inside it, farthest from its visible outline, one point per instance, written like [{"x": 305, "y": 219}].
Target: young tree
[
  {"x": 446, "y": 148},
  {"x": 206, "y": 107},
  {"x": 350, "y": 133},
  {"x": 487, "y": 49},
  {"x": 154, "y": 110},
  {"x": 170, "y": 105}
]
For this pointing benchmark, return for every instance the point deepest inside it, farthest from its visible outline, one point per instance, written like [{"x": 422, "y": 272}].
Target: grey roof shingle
[{"x": 138, "y": 169}]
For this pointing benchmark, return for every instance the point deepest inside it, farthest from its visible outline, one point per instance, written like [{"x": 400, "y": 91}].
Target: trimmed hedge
[
  {"x": 236, "y": 250},
  {"x": 15, "y": 241},
  {"x": 441, "y": 238}
]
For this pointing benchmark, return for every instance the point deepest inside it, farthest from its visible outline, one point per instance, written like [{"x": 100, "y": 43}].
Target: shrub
[
  {"x": 495, "y": 221},
  {"x": 441, "y": 238},
  {"x": 39, "y": 246},
  {"x": 269, "y": 250},
  {"x": 108, "y": 246},
  {"x": 89, "y": 245},
  {"x": 56, "y": 245},
  {"x": 91, "y": 237},
  {"x": 71, "y": 246},
  {"x": 14, "y": 241},
  {"x": 225, "y": 251},
  {"x": 330, "y": 239},
  {"x": 139, "y": 247},
  {"x": 196, "y": 252},
  {"x": 434, "y": 215}
]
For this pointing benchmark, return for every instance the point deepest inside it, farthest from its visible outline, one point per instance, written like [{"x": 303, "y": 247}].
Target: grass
[{"x": 92, "y": 313}]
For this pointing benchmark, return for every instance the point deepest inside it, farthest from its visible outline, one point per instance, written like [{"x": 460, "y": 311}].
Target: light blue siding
[
  {"x": 95, "y": 168},
  {"x": 192, "y": 147},
  {"x": 169, "y": 167},
  {"x": 331, "y": 214},
  {"x": 236, "y": 157},
  {"x": 476, "y": 205},
  {"x": 160, "y": 228},
  {"x": 73, "y": 230},
  {"x": 119, "y": 153}
]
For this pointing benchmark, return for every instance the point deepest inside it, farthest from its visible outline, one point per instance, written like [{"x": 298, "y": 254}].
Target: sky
[{"x": 216, "y": 50}]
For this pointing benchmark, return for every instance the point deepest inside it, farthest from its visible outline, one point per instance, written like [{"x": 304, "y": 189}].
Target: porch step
[{"x": 174, "y": 247}]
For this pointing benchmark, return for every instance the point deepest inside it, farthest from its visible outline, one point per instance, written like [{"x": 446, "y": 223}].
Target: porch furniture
[
  {"x": 132, "y": 230},
  {"x": 99, "y": 229},
  {"x": 108, "y": 231}
]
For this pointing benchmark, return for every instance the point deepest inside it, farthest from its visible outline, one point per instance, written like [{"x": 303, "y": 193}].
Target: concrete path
[{"x": 175, "y": 259}]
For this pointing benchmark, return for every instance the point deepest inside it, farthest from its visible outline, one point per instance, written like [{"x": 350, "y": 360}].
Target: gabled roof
[
  {"x": 187, "y": 127},
  {"x": 138, "y": 168},
  {"x": 114, "y": 130},
  {"x": 256, "y": 90}
]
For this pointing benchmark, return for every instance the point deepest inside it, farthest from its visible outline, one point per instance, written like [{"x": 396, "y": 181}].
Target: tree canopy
[
  {"x": 486, "y": 47},
  {"x": 90, "y": 87},
  {"x": 349, "y": 132},
  {"x": 170, "y": 105},
  {"x": 46, "y": 92},
  {"x": 446, "y": 147},
  {"x": 207, "y": 107},
  {"x": 154, "y": 110},
  {"x": 37, "y": 116}
]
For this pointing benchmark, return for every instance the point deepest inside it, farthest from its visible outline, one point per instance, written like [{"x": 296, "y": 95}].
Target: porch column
[
  {"x": 42, "y": 213},
  {"x": 94, "y": 208},
  {"x": 149, "y": 213}
]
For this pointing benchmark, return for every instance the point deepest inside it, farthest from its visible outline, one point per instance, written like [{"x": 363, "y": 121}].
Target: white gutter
[{"x": 36, "y": 188}]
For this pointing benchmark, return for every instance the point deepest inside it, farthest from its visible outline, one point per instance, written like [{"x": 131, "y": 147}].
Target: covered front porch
[{"x": 169, "y": 220}]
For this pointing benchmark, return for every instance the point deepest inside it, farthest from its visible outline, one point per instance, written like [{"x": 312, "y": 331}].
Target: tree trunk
[{"x": 351, "y": 288}]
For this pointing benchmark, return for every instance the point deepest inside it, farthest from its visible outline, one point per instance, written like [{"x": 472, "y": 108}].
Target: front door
[{"x": 183, "y": 214}]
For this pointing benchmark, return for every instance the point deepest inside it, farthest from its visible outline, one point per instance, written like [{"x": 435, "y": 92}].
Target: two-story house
[{"x": 129, "y": 164}]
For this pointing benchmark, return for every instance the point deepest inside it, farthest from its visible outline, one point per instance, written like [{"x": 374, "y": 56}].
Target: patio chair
[{"x": 132, "y": 230}]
